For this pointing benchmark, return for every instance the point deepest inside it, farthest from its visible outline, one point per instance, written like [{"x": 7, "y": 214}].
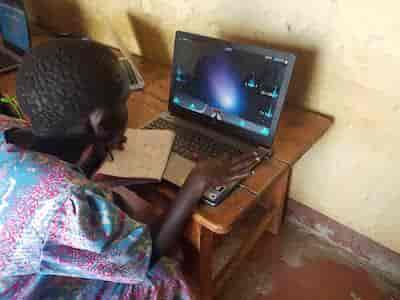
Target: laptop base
[{"x": 180, "y": 163}]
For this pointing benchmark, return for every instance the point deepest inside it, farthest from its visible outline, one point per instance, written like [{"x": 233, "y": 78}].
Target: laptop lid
[
  {"x": 235, "y": 89},
  {"x": 14, "y": 26}
]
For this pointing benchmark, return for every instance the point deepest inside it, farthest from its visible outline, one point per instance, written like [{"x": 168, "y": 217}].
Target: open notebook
[{"x": 145, "y": 155}]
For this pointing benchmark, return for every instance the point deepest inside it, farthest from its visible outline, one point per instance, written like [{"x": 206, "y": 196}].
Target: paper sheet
[{"x": 145, "y": 155}]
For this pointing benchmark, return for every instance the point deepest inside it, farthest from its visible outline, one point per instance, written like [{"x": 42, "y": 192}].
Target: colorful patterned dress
[{"x": 61, "y": 237}]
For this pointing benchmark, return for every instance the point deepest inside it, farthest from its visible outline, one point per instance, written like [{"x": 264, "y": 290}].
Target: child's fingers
[
  {"x": 244, "y": 157},
  {"x": 247, "y": 164}
]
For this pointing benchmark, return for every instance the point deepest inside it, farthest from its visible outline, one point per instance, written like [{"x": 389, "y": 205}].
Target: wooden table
[
  {"x": 267, "y": 189},
  {"x": 298, "y": 131}
]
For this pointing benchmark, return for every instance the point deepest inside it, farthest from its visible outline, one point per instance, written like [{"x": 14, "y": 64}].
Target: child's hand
[
  {"x": 205, "y": 175},
  {"x": 216, "y": 172}
]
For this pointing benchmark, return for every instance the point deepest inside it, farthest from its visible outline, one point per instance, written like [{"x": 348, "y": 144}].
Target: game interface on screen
[{"x": 227, "y": 84}]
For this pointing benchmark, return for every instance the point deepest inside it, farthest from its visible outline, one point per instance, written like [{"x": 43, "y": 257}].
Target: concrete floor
[{"x": 297, "y": 265}]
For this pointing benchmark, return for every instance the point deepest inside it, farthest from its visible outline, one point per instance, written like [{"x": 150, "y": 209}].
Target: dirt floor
[{"x": 298, "y": 265}]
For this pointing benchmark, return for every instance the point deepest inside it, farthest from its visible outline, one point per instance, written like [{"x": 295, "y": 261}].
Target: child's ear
[{"x": 96, "y": 118}]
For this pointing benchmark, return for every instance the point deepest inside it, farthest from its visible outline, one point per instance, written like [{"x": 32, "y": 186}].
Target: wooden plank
[
  {"x": 192, "y": 234},
  {"x": 160, "y": 88},
  {"x": 264, "y": 175},
  {"x": 298, "y": 131},
  {"x": 151, "y": 71},
  {"x": 275, "y": 197},
  {"x": 8, "y": 84},
  {"x": 41, "y": 38},
  {"x": 142, "y": 108}
]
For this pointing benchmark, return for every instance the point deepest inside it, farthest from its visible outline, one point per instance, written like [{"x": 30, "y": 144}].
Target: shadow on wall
[
  {"x": 58, "y": 16},
  {"x": 65, "y": 16},
  {"x": 154, "y": 46},
  {"x": 303, "y": 71},
  {"x": 150, "y": 40}
]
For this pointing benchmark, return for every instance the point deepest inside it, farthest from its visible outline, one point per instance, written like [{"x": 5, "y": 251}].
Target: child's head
[{"x": 70, "y": 87}]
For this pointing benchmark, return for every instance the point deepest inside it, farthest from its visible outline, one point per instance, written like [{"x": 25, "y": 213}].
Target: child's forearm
[{"x": 167, "y": 234}]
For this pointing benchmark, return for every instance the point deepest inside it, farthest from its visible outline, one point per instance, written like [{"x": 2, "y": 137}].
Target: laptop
[
  {"x": 15, "y": 34},
  {"x": 224, "y": 98}
]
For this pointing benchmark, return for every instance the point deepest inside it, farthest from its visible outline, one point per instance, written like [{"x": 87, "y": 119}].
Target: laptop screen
[
  {"x": 14, "y": 25},
  {"x": 241, "y": 88}
]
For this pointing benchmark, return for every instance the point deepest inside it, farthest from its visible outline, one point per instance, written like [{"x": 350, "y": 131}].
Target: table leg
[
  {"x": 274, "y": 202},
  {"x": 247, "y": 245},
  {"x": 207, "y": 240},
  {"x": 275, "y": 198}
]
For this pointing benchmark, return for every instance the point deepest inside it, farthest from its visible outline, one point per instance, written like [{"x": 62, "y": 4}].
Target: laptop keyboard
[
  {"x": 7, "y": 60},
  {"x": 192, "y": 144}
]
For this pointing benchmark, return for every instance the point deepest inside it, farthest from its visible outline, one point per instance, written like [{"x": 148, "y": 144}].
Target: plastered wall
[{"x": 348, "y": 67}]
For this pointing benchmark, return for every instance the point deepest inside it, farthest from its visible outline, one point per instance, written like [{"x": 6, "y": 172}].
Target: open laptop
[
  {"x": 15, "y": 34},
  {"x": 224, "y": 98}
]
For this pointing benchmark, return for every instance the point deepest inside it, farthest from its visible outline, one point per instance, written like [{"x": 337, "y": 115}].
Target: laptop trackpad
[{"x": 178, "y": 169}]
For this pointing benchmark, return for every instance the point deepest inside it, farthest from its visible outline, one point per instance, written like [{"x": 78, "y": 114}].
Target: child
[{"x": 61, "y": 236}]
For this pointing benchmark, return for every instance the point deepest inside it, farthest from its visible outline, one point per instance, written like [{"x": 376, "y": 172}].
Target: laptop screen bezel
[
  {"x": 226, "y": 128},
  {"x": 13, "y": 47}
]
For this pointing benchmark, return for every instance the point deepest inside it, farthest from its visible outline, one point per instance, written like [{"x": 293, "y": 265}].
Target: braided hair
[
  {"x": 62, "y": 82},
  {"x": 61, "y": 85}
]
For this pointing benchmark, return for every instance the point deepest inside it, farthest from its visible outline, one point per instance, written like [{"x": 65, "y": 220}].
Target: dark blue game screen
[
  {"x": 13, "y": 23},
  {"x": 230, "y": 85}
]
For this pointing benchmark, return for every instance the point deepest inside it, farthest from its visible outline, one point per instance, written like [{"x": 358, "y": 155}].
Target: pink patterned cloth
[{"x": 61, "y": 236}]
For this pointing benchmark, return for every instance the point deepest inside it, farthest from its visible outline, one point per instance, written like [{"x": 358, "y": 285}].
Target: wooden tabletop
[{"x": 298, "y": 131}]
